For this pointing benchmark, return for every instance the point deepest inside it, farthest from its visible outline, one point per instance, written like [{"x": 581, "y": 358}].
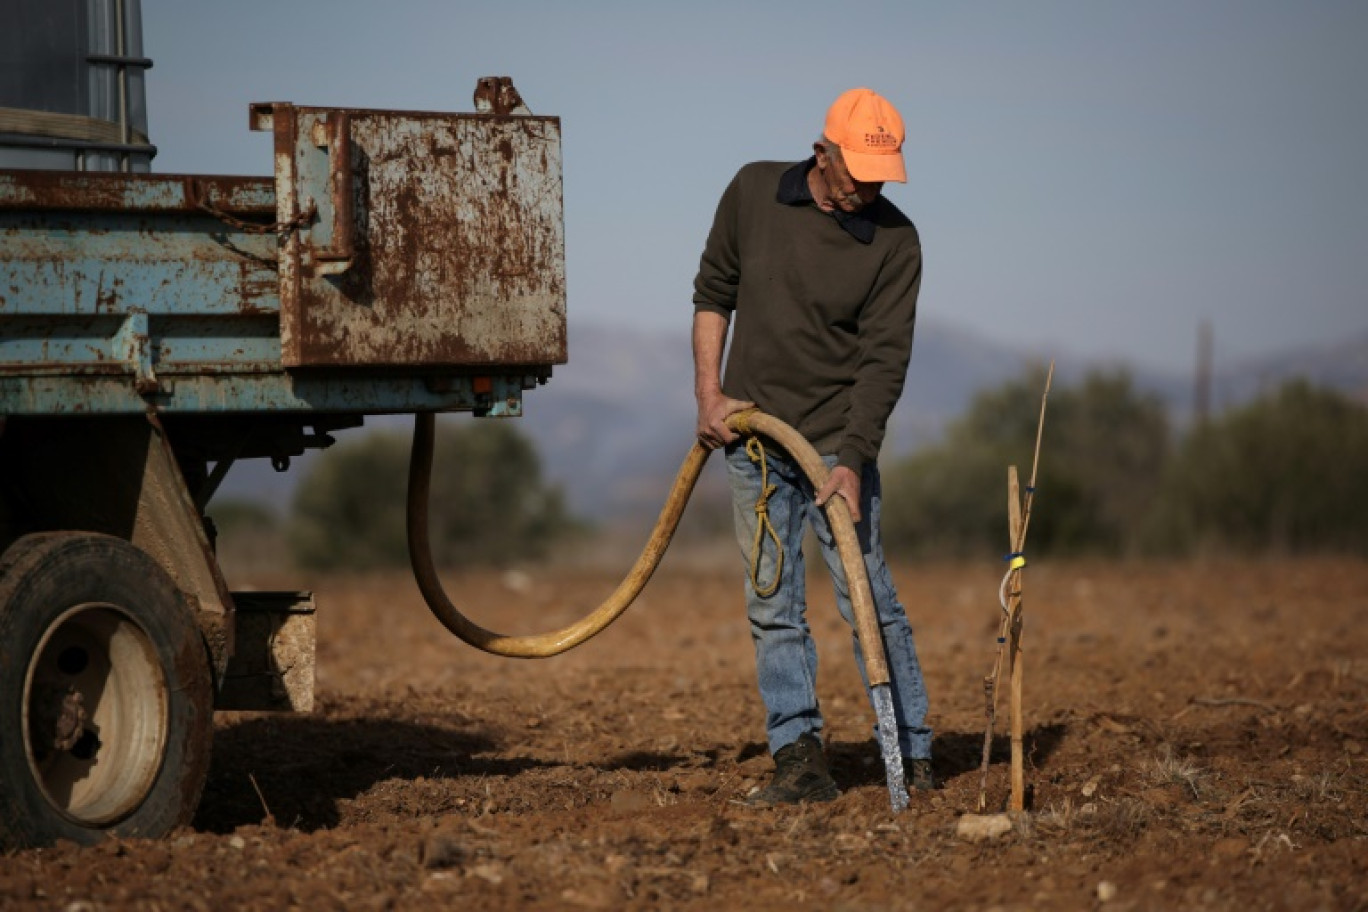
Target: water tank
[{"x": 71, "y": 86}]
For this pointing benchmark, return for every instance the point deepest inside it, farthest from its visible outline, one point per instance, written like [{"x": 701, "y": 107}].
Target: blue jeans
[{"x": 785, "y": 655}]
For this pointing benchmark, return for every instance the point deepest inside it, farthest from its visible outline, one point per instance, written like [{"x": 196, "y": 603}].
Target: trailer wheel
[{"x": 106, "y": 703}]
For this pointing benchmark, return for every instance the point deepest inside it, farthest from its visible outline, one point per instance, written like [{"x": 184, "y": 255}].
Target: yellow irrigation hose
[{"x": 541, "y": 645}]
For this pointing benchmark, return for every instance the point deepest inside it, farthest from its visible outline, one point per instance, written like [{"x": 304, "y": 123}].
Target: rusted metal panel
[
  {"x": 129, "y": 277},
  {"x": 69, "y": 265},
  {"x": 86, "y": 191},
  {"x": 453, "y": 254},
  {"x": 68, "y": 393},
  {"x": 422, "y": 255}
]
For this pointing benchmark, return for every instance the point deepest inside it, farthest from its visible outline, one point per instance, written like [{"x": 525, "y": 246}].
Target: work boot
[
  {"x": 920, "y": 775},
  {"x": 800, "y": 774}
]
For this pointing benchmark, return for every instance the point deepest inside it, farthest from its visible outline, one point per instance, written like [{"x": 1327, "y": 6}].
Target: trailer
[{"x": 154, "y": 330}]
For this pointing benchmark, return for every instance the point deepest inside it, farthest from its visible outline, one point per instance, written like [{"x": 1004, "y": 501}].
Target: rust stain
[
  {"x": 91, "y": 191},
  {"x": 106, "y": 299},
  {"x": 460, "y": 253}
]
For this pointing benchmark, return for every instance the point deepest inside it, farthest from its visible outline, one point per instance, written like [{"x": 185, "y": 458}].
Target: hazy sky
[{"x": 1089, "y": 177}]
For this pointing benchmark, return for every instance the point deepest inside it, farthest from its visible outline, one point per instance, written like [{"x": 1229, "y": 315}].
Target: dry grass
[
  {"x": 1122, "y": 818},
  {"x": 1169, "y": 769},
  {"x": 1323, "y": 787}
]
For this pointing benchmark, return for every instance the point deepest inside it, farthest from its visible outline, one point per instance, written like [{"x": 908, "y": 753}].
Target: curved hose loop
[{"x": 542, "y": 645}]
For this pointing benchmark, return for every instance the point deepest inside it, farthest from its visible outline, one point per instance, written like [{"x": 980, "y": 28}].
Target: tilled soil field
[{"x": 1195, "y": 736}]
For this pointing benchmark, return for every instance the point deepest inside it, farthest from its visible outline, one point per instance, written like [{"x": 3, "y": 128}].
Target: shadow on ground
[
  {"x": 298, "y": 769},
  {"x": 858, "y": 763}
]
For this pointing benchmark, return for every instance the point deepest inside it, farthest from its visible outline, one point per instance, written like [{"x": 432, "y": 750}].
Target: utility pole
[{"x": 1201, "y": 399}]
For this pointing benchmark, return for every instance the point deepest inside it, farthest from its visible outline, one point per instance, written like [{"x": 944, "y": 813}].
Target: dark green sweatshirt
[{"x": 821, "y": 320}]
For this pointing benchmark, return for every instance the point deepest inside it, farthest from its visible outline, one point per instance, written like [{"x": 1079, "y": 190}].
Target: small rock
[
  {"x": 983, "y": 827},
  {"x": 517, "y": 581},
  {"x": 593, "y": 896},
  {"x": 492, "y": 872},
  {"x": 441, "y": 881},
  {"x": 1090, "y": 787},
  {"x": 237, "y": 842},
  {"x": 1353, "y": 747},
  {"x": 1106, "y": 891}
]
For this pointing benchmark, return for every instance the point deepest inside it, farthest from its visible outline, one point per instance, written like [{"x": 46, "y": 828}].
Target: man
[{"x": 820, "y": 275}]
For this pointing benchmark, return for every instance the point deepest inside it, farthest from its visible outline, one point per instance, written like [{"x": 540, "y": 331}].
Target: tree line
[
  {"x": 1285, "y": 473},
  {"x": 1282, "y": 474},
  {"x": 489, "y": 503}
]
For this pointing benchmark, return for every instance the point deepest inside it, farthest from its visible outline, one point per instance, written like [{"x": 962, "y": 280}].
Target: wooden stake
[
  {"x": 1019, "y": 520},
  {"x": 1017, "y": 799}
]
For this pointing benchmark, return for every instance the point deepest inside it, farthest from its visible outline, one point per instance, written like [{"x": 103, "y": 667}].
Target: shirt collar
[{"x": 794, "y": 191}]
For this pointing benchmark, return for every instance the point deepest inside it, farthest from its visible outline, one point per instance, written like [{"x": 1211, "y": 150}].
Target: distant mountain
[{"x": 614, "y": 424}]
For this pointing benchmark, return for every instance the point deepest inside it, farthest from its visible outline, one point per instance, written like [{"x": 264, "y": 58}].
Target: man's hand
[
  {"x": 709, "y": 334},
  {"x": 846, "y": 483},
  {"x": 713, "y": 410}
]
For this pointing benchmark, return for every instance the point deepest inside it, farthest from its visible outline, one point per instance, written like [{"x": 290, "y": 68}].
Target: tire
[{"x": 106, "y": 701}]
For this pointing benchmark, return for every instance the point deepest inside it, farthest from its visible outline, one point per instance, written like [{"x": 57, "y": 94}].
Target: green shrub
[
  {"x": 1101, "y": 462},
  {"x": 1289, "y": 473},
  {"x": 237, "y": 515},
  {"x": 488, "y": 505}
]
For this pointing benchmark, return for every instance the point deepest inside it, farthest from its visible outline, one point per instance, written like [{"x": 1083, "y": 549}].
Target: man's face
[{"x": 843, "y": 191}]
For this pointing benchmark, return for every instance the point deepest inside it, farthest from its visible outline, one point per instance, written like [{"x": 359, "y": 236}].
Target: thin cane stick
[{"x": 1035, "y": 463}]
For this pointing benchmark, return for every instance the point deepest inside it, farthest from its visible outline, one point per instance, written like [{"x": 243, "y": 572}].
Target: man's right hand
[{"x": 713, "y": 410}]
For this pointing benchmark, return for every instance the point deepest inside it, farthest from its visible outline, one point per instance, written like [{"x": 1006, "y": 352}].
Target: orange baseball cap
[{"x": 870, "y": 133}]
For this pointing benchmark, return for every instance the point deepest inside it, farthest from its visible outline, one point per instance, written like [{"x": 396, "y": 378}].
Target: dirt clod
[{"x": 983, "y": 827}]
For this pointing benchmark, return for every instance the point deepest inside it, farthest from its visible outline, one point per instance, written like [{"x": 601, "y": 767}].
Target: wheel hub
[
  {"x": 59, "y": 713},
  {"x": 96, "y": 709}
]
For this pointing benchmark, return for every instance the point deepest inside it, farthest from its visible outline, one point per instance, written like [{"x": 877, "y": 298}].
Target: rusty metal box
[{"x": 422, "y": 239}]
